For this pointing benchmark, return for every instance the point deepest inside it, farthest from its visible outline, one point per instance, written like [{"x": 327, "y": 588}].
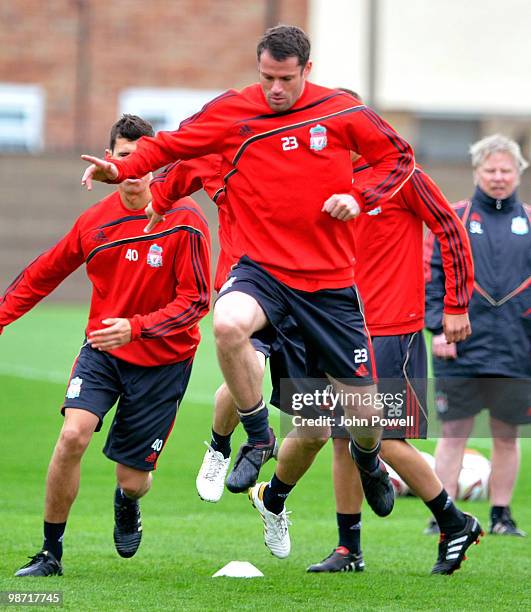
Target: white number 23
[
  {"x": 289, "y": 142},
  {"x": 360, "y": 355}
]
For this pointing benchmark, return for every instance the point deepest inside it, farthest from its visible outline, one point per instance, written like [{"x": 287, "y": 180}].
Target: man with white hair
[{"x": 492, "y": 367}]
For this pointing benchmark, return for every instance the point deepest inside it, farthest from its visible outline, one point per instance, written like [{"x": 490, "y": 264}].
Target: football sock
[
  {"x": 496, "y": 513},
  {"x": 448, "y": 516},
  {"x": 367, "y": 459},
  {"x": 349, "y": 527},
  {"x": 122, "y": 498},
  {"x": 221, "y": 443},
  {"x": 255, "y": 423},
  {"x": 53, "y": 538},
  {"x": 275, "y": 494}
]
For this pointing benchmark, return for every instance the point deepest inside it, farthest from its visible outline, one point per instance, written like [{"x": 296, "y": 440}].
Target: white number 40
[
  {"x": 289, "y": 142},
  {"x": 360, "y": 355},
  {"x": 131, "y": 255},
  {"x": 157, "y": 445}
]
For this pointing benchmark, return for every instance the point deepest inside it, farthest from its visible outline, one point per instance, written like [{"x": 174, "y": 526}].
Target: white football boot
[
  {"x": 276, "y": 534},
  {"x": 210, "y": 480}
]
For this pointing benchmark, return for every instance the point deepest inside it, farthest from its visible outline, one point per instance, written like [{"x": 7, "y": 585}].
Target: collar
[{"x": 492, "y": 203}]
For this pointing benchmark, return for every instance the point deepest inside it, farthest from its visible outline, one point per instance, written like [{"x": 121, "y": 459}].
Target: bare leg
[
  {"x": 62, "y": 483},
  {"x": 226, "y": 418},
  {"x": 366, "y": 436},
  {"x": 450, "y": 450},
  {"x": 297, "y": 453},
  {"x": 410, "y": 464},
  {"x": 236, "y": 317},
  {"x": 505, "y": 462},
  {"x": 347, "y": 483}
]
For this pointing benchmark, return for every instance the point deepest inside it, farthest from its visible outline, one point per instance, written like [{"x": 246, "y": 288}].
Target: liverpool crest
[
  {"x": 318, "y": 139},
  {"x": 519, "y": 226},
  {"x": 154, "y": 257}
]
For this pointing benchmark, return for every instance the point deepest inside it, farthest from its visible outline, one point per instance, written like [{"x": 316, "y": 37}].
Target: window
[
  {"x": 164, "y": 108},
  {"x": 21, "y": 118},
  {"x": 446, "y": 138}
]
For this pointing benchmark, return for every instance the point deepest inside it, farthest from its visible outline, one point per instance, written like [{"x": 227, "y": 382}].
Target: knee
[
  {"x": 229, "y": 331},
  {"x": 73, "y": 441},
  {"x": 454, "y": 434}
]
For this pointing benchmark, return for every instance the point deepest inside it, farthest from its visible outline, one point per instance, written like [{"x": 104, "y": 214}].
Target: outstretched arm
[
  {"x": 41, "y": 277},
  {"x": 199, "y": 135}
]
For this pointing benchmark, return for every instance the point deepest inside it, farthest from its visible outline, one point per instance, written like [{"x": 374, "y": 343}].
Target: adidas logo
[
  {"x": 362, "y": 371},
  {"x": 245, "y": 130},
  {"x": 99, "y": 236},
  {"x": 151, "y": 458},
  {"x": 455, "y": 547}
]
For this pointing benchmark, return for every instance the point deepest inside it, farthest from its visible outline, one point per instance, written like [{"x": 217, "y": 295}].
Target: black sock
[
  {"x": 53, "y": 538},
  {"x": 122, "y": 498},
  {"x": 275, "y": 495},
  {"x": 367, "y": 459},
  {"x": 496, "y": 513},
  {"x": 448, "y": 516},
  {"x": 221, "y": 443},
  {"x": 349, "y": 527},
  {"x": 255, "y": 423}
]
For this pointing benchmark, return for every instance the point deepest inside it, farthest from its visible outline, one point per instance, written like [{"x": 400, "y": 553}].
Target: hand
[
  {"x": 341, "y": 206},
  {"x": 115, "y": 335},
  {"x": 99, "y": 170},
  {"x": 153, "y": 217},
  {"x": 456, "y": 327},
  {"x": 440, "y": 348}
]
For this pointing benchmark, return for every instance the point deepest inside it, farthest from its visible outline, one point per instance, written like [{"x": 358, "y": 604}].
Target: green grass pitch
[{"x": 187, "y": 540}]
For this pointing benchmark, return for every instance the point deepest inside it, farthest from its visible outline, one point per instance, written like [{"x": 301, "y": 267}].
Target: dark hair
[
  {"x": 130, "y": 127},
  {"x": 285, "y": 41},
  {"x": 351, "y": 92}
]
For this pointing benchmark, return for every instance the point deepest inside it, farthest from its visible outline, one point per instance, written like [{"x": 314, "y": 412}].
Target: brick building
[{"x": 75, "y": 58}]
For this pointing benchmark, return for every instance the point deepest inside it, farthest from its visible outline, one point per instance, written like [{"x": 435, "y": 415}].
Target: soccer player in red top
[
  {"x": 285, "y": 157},
  {"x": 389, "y": 274},
  {"x": 149, "y": 293}
]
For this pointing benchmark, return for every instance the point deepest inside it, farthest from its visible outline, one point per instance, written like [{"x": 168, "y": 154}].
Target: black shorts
[
  {"x": 264, "y": 341},
  {"x": 330, "y": 321},
  {"x": 507, "y": 399},
  {"x": 402, "y": 370},
  {"x": 148, "y": 399},
  {"x": 402, "y": 366}
]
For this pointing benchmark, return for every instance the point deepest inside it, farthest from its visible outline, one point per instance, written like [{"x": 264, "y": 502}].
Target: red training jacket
[
  {"x": 280, "y": 168},
  {"x": 159, "y": 281},
  {"x": 389, "y": 255}
]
